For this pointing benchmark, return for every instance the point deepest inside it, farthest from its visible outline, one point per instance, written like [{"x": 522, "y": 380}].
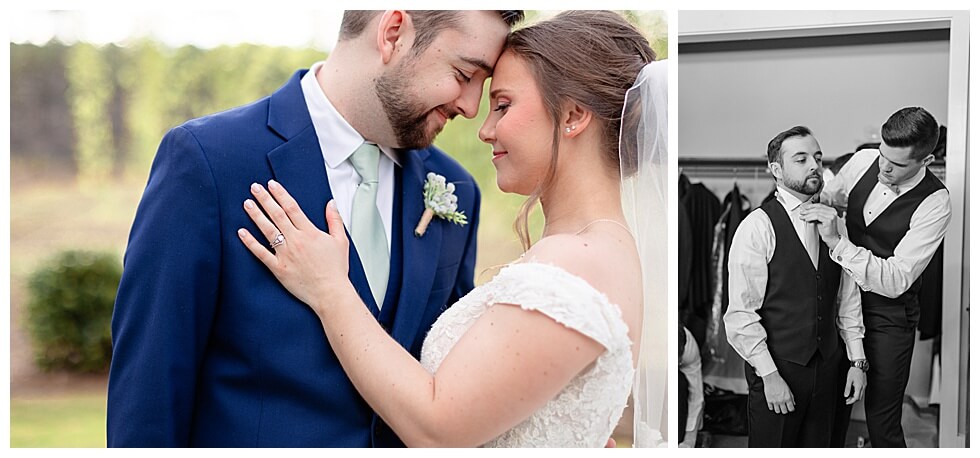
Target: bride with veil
[{"x": 547, "y": 352}]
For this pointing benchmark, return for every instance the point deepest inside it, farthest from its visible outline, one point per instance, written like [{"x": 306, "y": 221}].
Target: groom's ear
[
  {"x": 575, "y": 118},
  {"x": 395, "y": 33},
  {"x": 776, "y": 170}
]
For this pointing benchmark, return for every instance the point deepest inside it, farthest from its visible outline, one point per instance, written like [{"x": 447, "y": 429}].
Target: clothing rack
[{"x": 723, "y": 167}]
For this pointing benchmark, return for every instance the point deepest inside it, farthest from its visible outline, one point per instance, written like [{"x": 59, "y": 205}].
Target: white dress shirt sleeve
[
  {"x": 752, "y": 248},
  {"x": 690, "y": 366},
  {"x": 893, "y": 276},
  {"x": 850, "y": 318}
]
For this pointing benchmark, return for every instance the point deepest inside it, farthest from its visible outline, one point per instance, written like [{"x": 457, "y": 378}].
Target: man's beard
[
  {"x": 804, "y": 186},
  {"x": 407, "y": 116}
]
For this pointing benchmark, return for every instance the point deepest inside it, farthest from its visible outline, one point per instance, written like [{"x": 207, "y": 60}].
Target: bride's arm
[
  {"x": 506, "y": 366},
  {"x": 509, "y": 364}
]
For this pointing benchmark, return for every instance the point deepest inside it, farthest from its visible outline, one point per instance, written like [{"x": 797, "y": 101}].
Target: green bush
[{"x": 70, "y": 310}]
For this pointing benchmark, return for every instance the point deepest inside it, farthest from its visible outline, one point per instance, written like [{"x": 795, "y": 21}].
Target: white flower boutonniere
[{"x": 440, "y": 200}]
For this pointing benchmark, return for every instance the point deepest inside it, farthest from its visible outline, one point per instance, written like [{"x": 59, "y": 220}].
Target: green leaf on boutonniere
[{"x": 440, "y": 200}]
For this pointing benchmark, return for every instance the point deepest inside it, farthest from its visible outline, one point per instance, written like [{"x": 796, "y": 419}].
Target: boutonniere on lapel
[{"x": 440, "y": 200}]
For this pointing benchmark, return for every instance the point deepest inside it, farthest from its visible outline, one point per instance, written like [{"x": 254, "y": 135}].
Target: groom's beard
[
  {"x": 810, "y": 185},
  {"x": 409, "y": 118}
]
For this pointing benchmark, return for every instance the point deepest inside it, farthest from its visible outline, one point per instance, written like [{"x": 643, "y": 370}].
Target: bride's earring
[{"x": 569, "y": 130}]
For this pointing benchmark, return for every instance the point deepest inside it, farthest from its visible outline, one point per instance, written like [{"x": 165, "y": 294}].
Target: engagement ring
[{"x": 279, "y": 240}]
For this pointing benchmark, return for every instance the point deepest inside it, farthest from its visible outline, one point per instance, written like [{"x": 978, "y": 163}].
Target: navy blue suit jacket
[{"x": 208, "y": 348}]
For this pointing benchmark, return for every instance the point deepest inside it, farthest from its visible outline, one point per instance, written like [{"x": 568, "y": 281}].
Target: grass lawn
[{"x": 71, "y": 421}]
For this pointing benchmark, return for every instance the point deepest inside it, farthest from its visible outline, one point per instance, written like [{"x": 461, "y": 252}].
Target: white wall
[
  {"x": 711, "y": 25},
  {"x": 731, "y": 103}
]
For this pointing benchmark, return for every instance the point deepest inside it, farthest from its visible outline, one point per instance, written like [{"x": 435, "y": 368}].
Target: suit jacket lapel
[
  {"x": 421, "y": 254},
  {"x": 298, "y": 165}
]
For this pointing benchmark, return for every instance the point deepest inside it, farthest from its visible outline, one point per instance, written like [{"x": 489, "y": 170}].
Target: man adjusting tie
[{"x": 897, "y": 215}]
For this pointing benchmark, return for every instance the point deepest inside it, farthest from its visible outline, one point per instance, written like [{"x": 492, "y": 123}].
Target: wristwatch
[{"x": 862, "y": 364}]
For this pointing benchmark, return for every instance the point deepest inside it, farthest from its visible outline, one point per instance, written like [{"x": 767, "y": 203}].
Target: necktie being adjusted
[
  {"x": 366, "y": 229},
  {"x": 811, "y": 238},
  {"x": 812, "y": 243}
]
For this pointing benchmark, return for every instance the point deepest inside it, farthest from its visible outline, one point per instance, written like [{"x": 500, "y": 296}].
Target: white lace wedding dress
[{"x": 586, "y": 411}]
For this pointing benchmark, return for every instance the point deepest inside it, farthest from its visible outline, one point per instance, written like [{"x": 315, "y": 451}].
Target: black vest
[
  {"x": 799, "y": 311},
  {"x": 884, "y": 234}
]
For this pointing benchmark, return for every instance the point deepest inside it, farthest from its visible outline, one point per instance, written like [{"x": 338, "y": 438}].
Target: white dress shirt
[
  {"x": 752, "y": 248},
  {"x": 893, "y": 276},
  {"x": 338, "y": 141},
  {"x": 690, "y": 366}
]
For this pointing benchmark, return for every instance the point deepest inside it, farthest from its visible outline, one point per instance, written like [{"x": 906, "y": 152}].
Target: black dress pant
[
  {"x": 815, "y": 389},
  {"x": 842, "y": 416},
  {"x": 888, "y": 342}
]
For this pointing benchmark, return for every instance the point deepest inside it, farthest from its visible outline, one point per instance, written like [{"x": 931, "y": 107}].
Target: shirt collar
[
  {"x": 789, "y": 201},
  {"x": 338, "y": 139}
]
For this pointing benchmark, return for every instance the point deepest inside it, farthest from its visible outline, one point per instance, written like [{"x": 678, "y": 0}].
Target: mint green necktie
[{"x": 366, "y": 228}]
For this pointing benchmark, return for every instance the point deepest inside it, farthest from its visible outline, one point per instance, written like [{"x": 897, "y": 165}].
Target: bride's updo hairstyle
[{"x": 587, "y": 57}]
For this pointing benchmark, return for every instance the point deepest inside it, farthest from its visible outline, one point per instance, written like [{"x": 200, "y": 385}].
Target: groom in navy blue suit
[{"x": 208, "y": 348}]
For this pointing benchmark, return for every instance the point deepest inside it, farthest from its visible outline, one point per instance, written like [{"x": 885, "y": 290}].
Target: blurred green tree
[
  {"x": 144, "y": 80},
  {"x": 90, "y": 92}
]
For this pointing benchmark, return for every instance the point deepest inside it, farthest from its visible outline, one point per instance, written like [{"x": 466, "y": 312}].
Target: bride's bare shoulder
[{"x": 586, "y": 256}]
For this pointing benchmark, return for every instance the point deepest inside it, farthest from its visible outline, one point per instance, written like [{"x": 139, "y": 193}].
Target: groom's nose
[{"x": 468, "y": 103}]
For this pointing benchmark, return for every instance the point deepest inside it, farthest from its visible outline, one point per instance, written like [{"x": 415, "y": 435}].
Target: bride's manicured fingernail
[
  {"x": 241, "y": 232},
  {"x": 256, "y": 187},
  {"x": 273, "y": 184},
  {"x": 249, "y": 204}
]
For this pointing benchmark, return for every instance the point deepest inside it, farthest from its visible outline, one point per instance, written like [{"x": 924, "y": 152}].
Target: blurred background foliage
[
  {"x": 99, "y": 113},
  {"x": 85, "y": 123},
  {"x": 70, "y": 310}
]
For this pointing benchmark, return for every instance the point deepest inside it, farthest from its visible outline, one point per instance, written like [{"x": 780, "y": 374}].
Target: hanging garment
[
  {"x": 685, "y": 250},
  {"x": 723, "y": 367},
  {"x": 703, "y": 210},
  {"x": 740, "y": 208}
]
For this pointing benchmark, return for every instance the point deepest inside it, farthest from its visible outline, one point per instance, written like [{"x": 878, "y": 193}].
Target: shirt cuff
[
  {"x": 845, "y": 253},
  {"x": 843, "y": 250},
  {"x": 855, "y": 349},
  {"x": 763, "y": 363}
]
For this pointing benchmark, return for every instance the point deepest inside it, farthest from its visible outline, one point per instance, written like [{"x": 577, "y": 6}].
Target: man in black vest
[
  {"x": 897, "y": 215},
  {"x": 783, "y": 317}
]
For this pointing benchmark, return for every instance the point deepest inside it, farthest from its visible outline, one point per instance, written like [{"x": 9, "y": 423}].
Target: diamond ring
[{"x": 279, "y": 240}]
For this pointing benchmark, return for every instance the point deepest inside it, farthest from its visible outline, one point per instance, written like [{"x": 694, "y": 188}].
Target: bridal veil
[{"x": 643, "y": 161}]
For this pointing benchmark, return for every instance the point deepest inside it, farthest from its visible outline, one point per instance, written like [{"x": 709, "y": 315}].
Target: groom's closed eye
[
  {"x": 463, "y": 77},
  {"x": 479, "y": 64}
]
